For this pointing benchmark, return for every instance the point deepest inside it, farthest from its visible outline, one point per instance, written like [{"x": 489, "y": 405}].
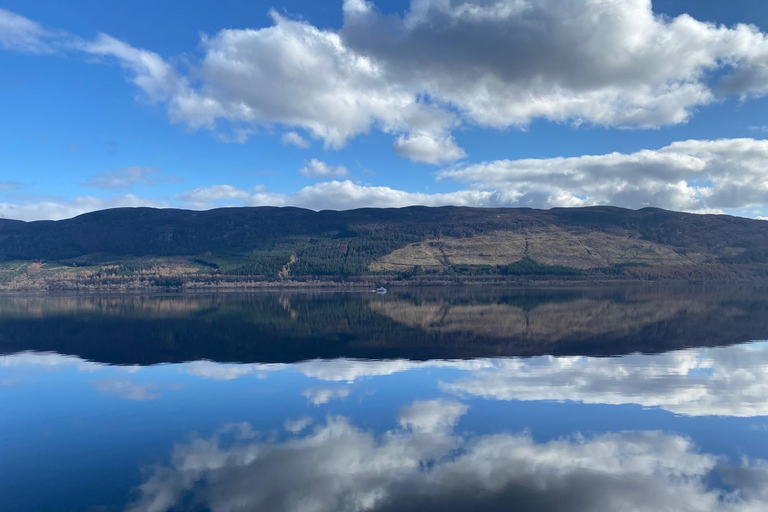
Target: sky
[{"x": 355, "y": 103}]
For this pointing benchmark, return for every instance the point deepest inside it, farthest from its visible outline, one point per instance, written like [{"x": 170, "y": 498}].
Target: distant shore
[{"x": 363, "y": 283}]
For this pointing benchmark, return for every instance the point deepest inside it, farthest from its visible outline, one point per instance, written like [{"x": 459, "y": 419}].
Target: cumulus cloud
[
  {"x": 321, "y": 170},
  {"x": 417, "y": 76},
  {"x": 344, "y": 195},
  {"x": 228, "y": 195},
  {"x": 429, "y": 149},
  {"x": 155, "y": 77},
  {"x": 56, "y": 208},
  {"x": 126, "y": 177},
  {"x": 214, "y": 193},
  {"x": 506, "y": 62},
  {"x": 294, "y": 139},
  {"x": 731, "y": 381},
  {"x": 332, "y": 195},
  {"x": 493, "y": 63},
  {"x": 693, "y": 175},
  {"x": 339, "y": 467},
  {"x": 18, "y": 33},
  {"x": 308, "y": 78}
]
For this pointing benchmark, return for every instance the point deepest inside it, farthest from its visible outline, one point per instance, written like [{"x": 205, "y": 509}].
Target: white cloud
[
  {"x": 338, "y": 467},
  {"x": 294, "y": 139},
  {"x": 319, "y": 396},
  {"x": 228, "y": 195},
  {"x": 309, "y": 79},
  {"x": 489, "y": 63},
  {"x": 432, "y": 415},
  {"x": 20, "y": 34},
  {"x": 507, "y": 62},
  {"x": 344, "y": 195},
  {"x": 214, "y": 193},
  {"x": 429, "y": 149},
  {"x": 693, "y": 175},
  {"x": 318, "y": 169},
  {"x": 126, "y": 177},
  {"x": 55, "y": 208},
  {"x": 149, "y": 71},
  {"x": 335, "y": 195}
]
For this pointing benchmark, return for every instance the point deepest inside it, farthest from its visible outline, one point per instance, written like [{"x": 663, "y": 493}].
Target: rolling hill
[{"x": 170, "y": 247}]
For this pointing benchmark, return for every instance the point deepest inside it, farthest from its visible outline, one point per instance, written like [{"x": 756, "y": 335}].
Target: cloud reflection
[
  {"x": 728, "y": 381},
  {"x": 129, "y": 389},
  {"x": 725, "y": 381},
  {"x": 126, "y": 389},
  {"x": 333, "y": 370},
  {"x": 341, "y": 468},
  {"x": 299, "y": 425},
  {"x": 350, "y": 370},
  {"x": 319, "y": 396}
]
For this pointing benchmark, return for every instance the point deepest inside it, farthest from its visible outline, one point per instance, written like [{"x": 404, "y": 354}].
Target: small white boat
[{"x": 381, "y": 291}]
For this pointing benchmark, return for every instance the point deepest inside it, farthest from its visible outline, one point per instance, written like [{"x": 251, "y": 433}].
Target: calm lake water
[{"x": 635, "y": 399}]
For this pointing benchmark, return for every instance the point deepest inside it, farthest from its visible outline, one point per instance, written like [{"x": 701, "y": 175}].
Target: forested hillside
[{"x": 285, "y": 243}]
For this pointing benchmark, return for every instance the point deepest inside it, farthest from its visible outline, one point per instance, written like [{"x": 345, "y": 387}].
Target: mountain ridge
[{"x": 279, "y": 243}]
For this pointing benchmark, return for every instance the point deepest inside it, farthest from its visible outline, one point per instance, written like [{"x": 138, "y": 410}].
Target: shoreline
[{"x": 365, "y": 284}]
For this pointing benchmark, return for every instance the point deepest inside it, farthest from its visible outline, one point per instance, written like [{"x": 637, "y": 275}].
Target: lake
[{"x": 612, "y": 399}]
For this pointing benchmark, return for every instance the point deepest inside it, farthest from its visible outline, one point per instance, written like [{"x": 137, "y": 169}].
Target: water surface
[{"x": 645, "y": 398}]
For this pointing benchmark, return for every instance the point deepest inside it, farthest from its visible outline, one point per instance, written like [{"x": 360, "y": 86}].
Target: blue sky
[{"x": 351, "y": 104}]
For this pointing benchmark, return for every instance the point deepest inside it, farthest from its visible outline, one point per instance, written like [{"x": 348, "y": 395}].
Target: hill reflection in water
[{"x": 411, "y": 324}]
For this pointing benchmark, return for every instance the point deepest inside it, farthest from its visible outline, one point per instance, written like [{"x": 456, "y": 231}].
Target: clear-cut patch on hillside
[{"x": 548, "y": 245}]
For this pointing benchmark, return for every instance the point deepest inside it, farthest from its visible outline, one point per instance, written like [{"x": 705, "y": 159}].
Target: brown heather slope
[{"x": 548, "y": 245}]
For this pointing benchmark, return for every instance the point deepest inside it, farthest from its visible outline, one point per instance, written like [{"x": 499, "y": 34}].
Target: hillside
[{"x": 173, "y": 247}]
